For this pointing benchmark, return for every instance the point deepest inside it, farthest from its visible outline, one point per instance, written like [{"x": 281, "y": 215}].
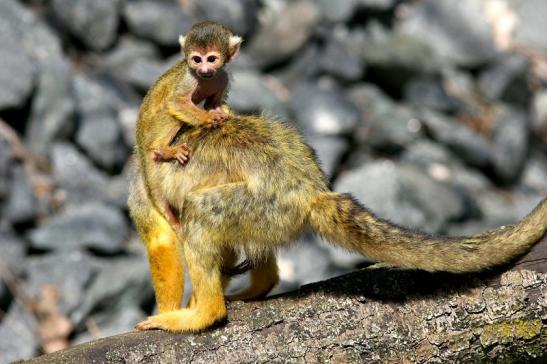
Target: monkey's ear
[
  {"x": 234, "y": 45},
  {"x": 182, "y": 41}
]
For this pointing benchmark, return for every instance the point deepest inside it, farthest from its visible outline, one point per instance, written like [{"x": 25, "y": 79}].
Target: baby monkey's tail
[{"x": 341, "y": 219}]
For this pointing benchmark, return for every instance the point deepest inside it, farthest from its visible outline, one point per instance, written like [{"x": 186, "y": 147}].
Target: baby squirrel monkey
[
  {"x": 252, "y": 186},
  {"x": 207, "y": 47}
]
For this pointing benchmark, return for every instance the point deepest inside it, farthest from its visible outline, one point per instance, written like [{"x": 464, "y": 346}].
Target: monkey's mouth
[{"x": 206, "y": 75}]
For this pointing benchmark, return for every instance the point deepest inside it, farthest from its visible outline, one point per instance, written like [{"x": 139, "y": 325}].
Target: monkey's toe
[{"x": 149, "y": 324}]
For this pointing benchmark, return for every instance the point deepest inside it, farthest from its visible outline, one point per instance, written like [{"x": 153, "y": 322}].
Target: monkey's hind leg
[
  {"x": 208, "y": 304},
  {"x": 163, "y": 247},
  {"x": 229, "y": 259},
  {"x": 264, "y": 277}
]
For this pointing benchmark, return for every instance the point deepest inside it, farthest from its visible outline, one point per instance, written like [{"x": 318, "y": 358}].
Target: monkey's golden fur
[{"x": 253, "y": 185}]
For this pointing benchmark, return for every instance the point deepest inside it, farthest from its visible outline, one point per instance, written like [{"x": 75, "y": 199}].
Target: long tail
[{"x": 341, "y": 219}]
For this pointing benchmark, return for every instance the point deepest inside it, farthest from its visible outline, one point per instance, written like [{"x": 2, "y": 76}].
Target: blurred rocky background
[{"x": 432, "y": 113}]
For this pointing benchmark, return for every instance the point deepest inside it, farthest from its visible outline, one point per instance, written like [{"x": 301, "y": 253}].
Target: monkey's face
[{"x": 205, "y": 64}]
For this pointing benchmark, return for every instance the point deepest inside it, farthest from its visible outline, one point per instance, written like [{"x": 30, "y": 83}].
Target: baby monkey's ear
[
  {"x": 234, "y": 45},
  {"x": 182, "y": 41}
]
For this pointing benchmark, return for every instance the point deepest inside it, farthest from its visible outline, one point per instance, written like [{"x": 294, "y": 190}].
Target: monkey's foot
[
  {"x": 180, "y": 153},
  {"x": 183, "y": 320}
]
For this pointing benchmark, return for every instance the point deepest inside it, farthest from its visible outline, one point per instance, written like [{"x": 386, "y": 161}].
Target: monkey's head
[{"x": 207, "y": 47}]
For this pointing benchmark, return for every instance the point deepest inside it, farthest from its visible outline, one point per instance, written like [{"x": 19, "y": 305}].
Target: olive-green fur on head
[{"x": 208, "y": 34}]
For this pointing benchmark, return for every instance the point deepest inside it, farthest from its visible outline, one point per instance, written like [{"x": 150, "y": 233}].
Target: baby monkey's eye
[
  {"x": 211, "y": 59},
  {"x": 196, "y": 59}
]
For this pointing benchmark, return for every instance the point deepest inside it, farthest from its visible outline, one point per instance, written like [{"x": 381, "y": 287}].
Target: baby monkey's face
[{"x": 205, "y": 63}]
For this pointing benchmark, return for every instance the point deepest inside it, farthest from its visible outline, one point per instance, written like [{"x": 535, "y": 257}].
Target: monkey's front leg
[
  {"x": 164, "y": 253},
  {"x": 208, "y": 304},
  {"x": 184, "y": 110}
]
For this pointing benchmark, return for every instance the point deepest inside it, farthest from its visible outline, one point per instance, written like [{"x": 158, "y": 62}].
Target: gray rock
[
  {"x": 539, "y": 115},
  {"x": 376, "y": 4},
  {"x": 425, "y": 153},
  {"x": 329, "y": 151},
  {"x": 378, "y": 187},
  {"x": 100, "y": 134},
  {"x": 457, "y": 30},
  {"x": 530, "y": 27},
  {"x": 51, "y": 105},
  {"x": 283, "y": 32},
  {"x": 404, "y": 195},
  {"x": 69, "y": 272},
  {"x": 325, "y": 111},
  {"x": 343, "y": 10},
  {"x": 52, "y": 108},
  {"x": 439, "y": 200},
  {"x": 91, "y": 225},
  {"x": 142, "y": 72},
  {"x": 466, "y": 144},
  {"x": 304, "y": 262},
  {"x": 510, "y": 143},
  {"x": 340, "y": 57},
  {"x": 78, "y": 178},
  {"x": 239, "y": 16},
  {"x": 18, "y": 339},
  {"x": 95, "y": 23},
  {"x": 506, "y": 80},
  {"x": 13, "y": 254},
  {"x": 534, "y": 175},
  {"x": 119, "y": 322},
  {"x": 385, "y": 124},
  {"x": 498, "y": 207},
  {"x": 303, "y": 67},
  {"x": 158, "y": 20},
  {"x": 462, "y": 88},
  {"x": 21, "y": 205},
  {"x": 429, "y": 92},
  {"x": 393, "y": 51},
  {"x": 14, "y": 61},
  {"x": 6, "y": 160},
  {"x": 442, "y": 165},
  {"x": 126, "y": 51},
  {"x": 337, "y": 11},
  {"x": 251, "y": 93},
  {"x": 131, "y": 287},
  {"x": 101, "y": 137}
]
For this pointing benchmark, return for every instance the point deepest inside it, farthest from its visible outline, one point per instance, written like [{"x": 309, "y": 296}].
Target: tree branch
[{"x": 373, "y": 315}]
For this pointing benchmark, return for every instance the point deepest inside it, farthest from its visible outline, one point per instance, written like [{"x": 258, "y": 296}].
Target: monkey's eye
[
  {"x": 211, "y": 59},
  {"x": 196, "y": 59}
]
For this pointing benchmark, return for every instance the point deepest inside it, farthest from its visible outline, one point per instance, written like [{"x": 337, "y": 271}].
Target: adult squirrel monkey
[{"x": 253, "y": 186}]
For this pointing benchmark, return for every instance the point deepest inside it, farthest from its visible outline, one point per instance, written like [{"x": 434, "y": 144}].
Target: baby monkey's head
[{"x": 207, "y": 47}]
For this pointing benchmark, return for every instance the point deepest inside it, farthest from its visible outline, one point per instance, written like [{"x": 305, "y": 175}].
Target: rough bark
[{"x": 373, "y": 315}]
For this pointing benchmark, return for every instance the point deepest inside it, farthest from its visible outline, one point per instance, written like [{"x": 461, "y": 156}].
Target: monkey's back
[{"x": 269, "y": 155}]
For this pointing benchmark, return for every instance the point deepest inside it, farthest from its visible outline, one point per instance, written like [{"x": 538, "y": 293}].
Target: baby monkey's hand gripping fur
[{"x": 207, "y": 47}]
